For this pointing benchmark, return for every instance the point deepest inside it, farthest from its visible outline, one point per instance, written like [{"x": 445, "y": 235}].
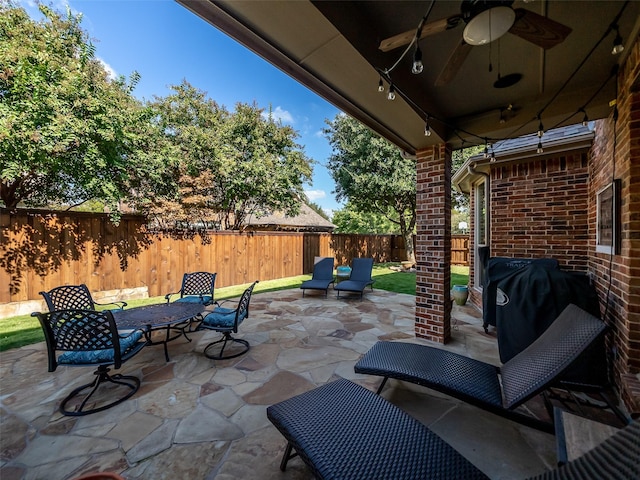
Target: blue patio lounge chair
[
  {"x": 360, "y": 278},
  {"x": 322, "y": 276},
  {"x": 497, "y": 389},
  {"x": 344, "y": 431}
]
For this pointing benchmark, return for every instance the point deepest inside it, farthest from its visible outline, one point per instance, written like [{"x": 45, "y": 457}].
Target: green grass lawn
[{"x": 25, "y": 330}]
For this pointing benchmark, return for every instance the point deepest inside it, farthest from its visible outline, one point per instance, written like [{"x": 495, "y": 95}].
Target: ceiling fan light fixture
[{"x": 489, "y": 25}]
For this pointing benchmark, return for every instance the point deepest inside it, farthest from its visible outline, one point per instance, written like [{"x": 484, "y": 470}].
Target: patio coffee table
[{"x": 163, "y": 316}]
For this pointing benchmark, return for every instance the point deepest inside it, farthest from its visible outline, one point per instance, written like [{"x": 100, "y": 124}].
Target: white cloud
[
  {"x": 278, "y": 114},
  {"x": 329, "y": 212},
  {"x": 111, "y": 73},
  {"x": 315, "y": 194}
]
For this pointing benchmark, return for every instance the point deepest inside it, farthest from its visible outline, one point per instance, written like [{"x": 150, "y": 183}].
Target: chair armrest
[
  {"x": 119, "y": 304},
  {"x": 167, "y": 297}
]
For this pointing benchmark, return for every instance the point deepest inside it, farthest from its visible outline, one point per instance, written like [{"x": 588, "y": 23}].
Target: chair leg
[
  {"x": 287, "y": 456},
  {"x": 102, "y": 376},
  {"x": 226, "y": 337}
]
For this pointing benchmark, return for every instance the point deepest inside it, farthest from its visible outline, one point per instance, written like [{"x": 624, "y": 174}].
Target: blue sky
[{"x": 166, "y": 43}]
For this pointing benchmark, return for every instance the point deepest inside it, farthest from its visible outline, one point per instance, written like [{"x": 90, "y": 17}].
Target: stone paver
[{"x": 198, "y": 418}]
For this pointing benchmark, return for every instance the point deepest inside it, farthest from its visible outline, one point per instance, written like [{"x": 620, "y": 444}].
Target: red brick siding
[
  {"x": 433, "y": 244},
  {"x": 620, "y": 290},
  {"x": 538, "y": 209}
]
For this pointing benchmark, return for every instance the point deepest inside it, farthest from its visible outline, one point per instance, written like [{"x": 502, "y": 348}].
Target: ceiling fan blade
[
  {"x": 456, "y": 59},
  {"x": 539, "y": 30},
  {"x": 430, "y": 28}
]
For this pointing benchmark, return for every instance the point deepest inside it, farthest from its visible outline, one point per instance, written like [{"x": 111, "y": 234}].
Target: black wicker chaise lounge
[
  {"x": 497, "y": 389},
  {"x": 344, "y": 431}
]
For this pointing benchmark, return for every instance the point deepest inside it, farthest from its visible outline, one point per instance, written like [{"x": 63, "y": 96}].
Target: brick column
[{"x": 433, "y": 245}]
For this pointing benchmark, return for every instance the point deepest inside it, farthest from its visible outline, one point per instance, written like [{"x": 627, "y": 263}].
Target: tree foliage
[
  {"x": 372, "y": 175},
  {"x": 227, "y": 165},
  {"x": 68, "y": 133},
  {"x": 318, "y": 209},
  {"x": 350, "y": 220}
]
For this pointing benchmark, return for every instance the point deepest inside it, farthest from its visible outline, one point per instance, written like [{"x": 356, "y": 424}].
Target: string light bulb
[
  {"x": 392, "y": 92},
  {"x": 380, "y": 86},
  {"x": 540, "y": 128},
  {"x": 539, "y": 149},
  {"x": 417, "y": 66},
  {"x": 585, "y": 119},
  {"x": 486, "y": 149},
  {"x": 618, "y": 47},
  {"x": 427, "y": 128}
]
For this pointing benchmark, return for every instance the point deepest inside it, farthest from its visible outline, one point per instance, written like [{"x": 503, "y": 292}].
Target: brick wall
[
  {"x": 538, "y": 209},
  {"x": 433, "y": 244},
  {"x": 618, "y": 276}
]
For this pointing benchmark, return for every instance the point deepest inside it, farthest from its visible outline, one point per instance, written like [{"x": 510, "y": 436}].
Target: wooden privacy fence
[{"x": 40, "y": 250}]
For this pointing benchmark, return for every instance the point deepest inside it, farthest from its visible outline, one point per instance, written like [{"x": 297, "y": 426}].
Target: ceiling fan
[{"x": 486, "y": 21}]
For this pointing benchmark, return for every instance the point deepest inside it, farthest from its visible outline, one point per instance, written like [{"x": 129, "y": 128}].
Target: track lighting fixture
[
  {"x": 618, "y": 47},
  {"x": 418, "y": 66},
  {"x": 539, "y": 149},
  {"x": 427, "y": 128},
  {"x": 392, "y": 92},
  {"x": 380, "y": 86}
]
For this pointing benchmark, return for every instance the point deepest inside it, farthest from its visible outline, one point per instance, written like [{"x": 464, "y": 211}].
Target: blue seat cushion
[
  {"x": 223, "y": 318},
  {"x": 204, "y": 300},
  {"x": 75, "y": 357}
]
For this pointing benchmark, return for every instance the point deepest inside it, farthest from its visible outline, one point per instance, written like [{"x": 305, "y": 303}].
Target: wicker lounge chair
[
  {"x": 524, "y": 376},
  {"x": 322, "y": 276},
  {"x": 344, "y": 431},
  {"x": 360, "y": 277}
]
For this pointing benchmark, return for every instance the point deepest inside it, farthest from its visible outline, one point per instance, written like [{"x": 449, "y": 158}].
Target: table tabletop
[{"x": 158, "y": 315}]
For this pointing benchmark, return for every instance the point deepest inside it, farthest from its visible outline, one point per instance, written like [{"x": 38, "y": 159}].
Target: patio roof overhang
[{"x": 332, "y": 48}]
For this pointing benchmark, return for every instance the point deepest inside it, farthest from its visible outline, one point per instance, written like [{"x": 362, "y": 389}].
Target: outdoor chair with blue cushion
[
  {"x": 361, "y": 269},
  {"x": 322, "y": 276},
  {"x": 196, "y": 287},
  {"x": 74, "y": 297},
  {"x": 226, "y": 321},
  {"x": 497, "y": 389},
  {"x": 344, "y": 431},
  {"x": 90, "y": 338}
]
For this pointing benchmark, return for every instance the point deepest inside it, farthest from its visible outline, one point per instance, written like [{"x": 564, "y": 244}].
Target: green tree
[
  {"x": 350, "y": 220},
  {"x": 318, "y": 209},
  {"x": 68, "y": 133},
  {"x": 371, "y": 173},
  {"x": 228, "y": 165}
]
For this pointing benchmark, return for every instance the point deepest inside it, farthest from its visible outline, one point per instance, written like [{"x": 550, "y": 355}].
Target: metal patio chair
[
  {"x": 227, "y": 321},
  {"x": 74, "y": 297},
  {"x": 90, "y": 338}
]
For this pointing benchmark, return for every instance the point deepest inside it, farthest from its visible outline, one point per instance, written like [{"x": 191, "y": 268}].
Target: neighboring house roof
[
  {"x": 554, "y": 141},
  {"x": 307, "y": 220}
]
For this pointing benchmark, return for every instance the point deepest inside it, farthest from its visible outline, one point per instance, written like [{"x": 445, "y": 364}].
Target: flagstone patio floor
[{"x": 196, "y": 418}]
